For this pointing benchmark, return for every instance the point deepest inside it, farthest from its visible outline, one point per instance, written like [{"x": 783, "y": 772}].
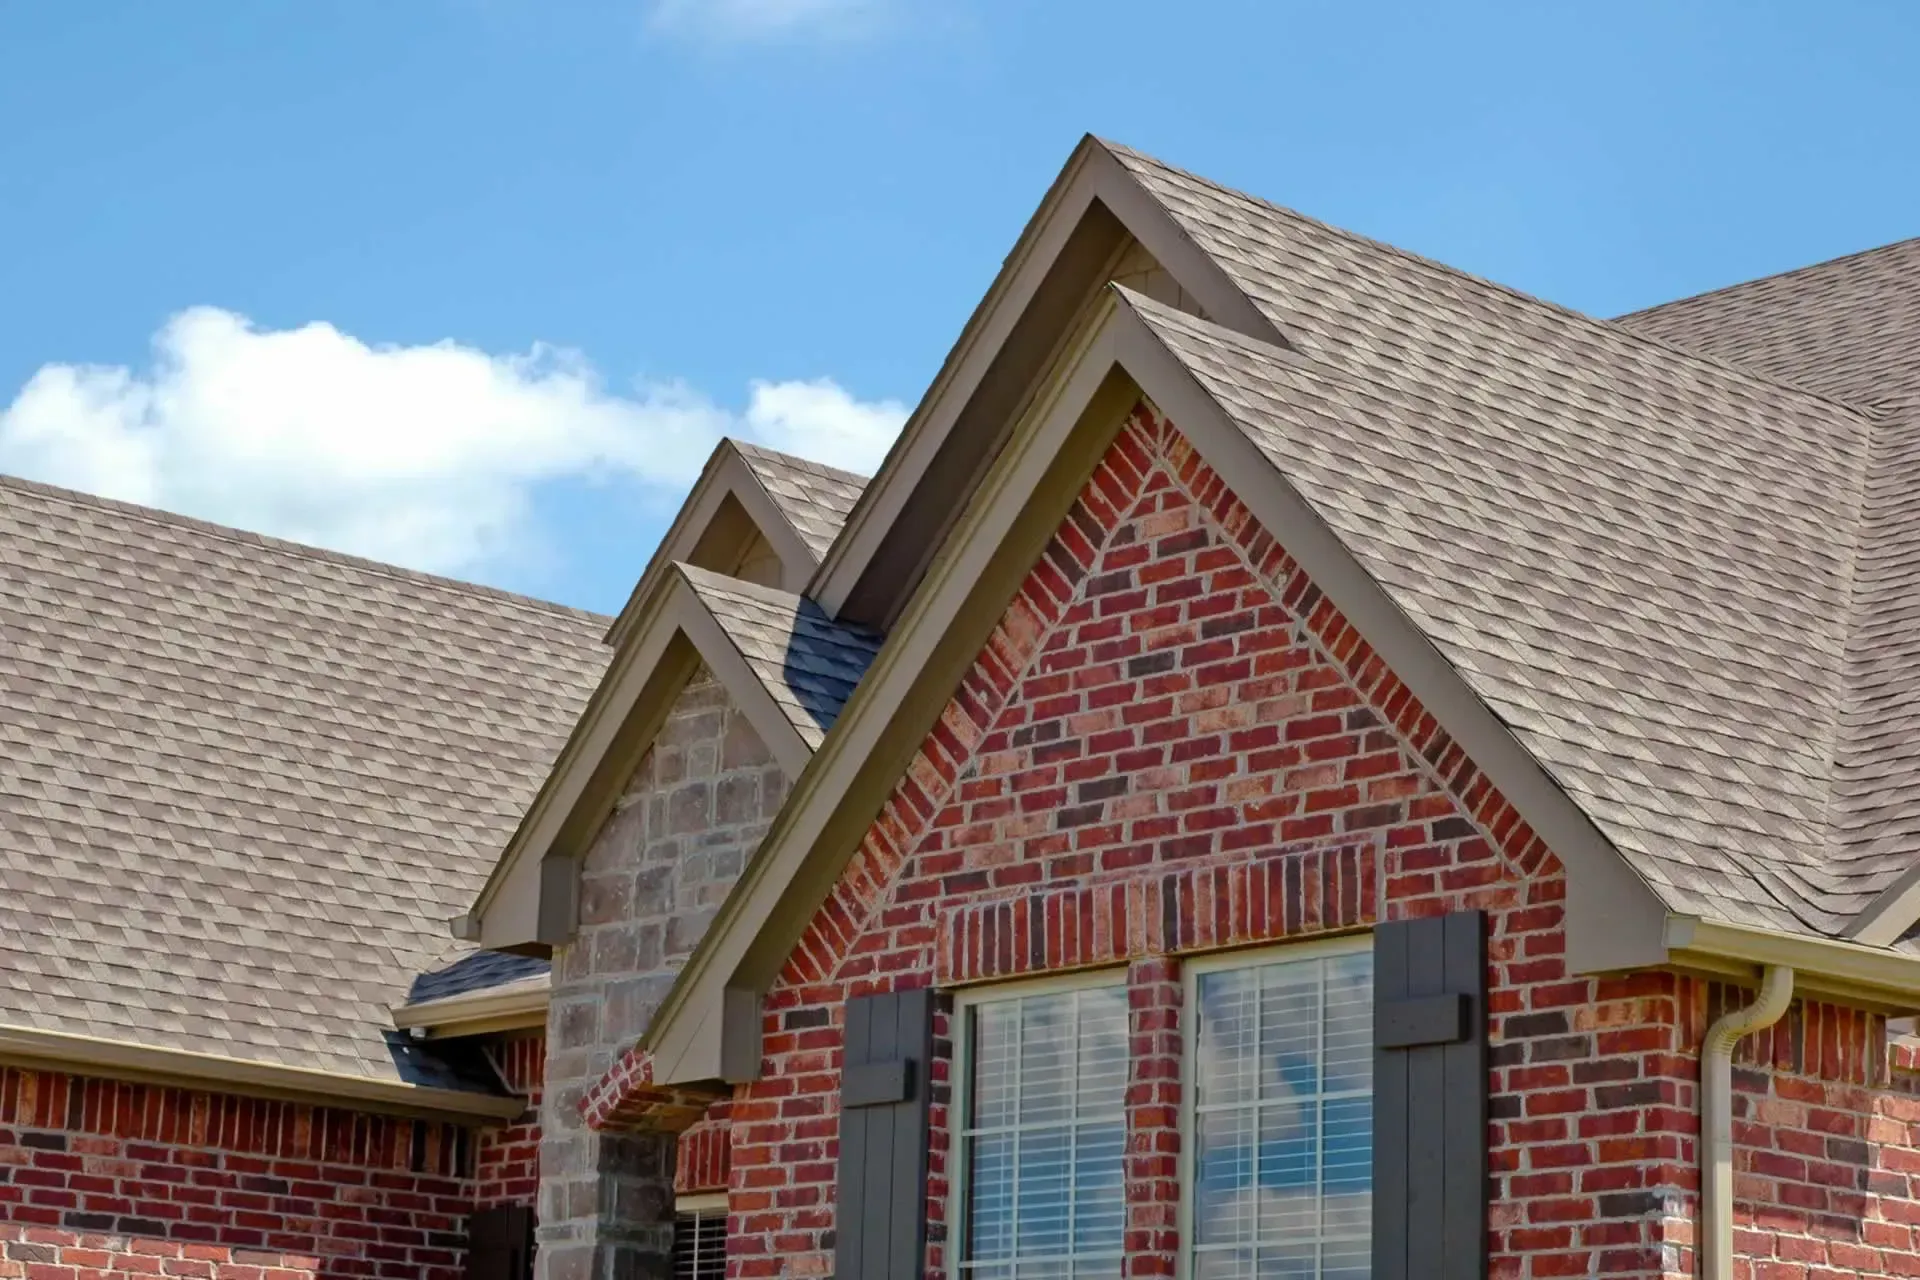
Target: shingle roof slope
[
  {"x": 1642, "y": 558},
  {"x": 808, "y": 662},
  {"x": 1849, "y": 327},
  {"x": 247, "y": 782},
  {"x": 814, "y": 497}
]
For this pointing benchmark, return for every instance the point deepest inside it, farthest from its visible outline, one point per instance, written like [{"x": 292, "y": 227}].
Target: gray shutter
[
  {"x": 1430, "y": 1098},
  {"x": 881, "y": 1215},
  {"x": 500, "y": 1243}
]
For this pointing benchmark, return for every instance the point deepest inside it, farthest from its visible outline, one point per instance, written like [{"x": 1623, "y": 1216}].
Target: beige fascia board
[
  {"x": 1874, "y": 977},
  {"x": 1614, "y": 918},
  {"x": 88, "y": 1055},
  {"x": 1092, "y": 173},
  {"x": 510, "y": 1006},
  {"x": 1893, "y": 911},
  {"x": 688, "y": 1033},
  {"x": 640, "y": 682},
  {"x": 726, "y": 475}
]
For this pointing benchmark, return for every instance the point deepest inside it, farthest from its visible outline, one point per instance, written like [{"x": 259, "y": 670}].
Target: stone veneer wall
[{"x": 651, "y": 882}]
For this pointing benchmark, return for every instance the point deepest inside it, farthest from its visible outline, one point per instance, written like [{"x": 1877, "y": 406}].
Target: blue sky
[{"x": 473, "y": 283}]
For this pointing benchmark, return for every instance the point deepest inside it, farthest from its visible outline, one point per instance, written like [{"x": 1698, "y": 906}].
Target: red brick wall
[
  {"x": 507, "y": 1158},
  {"x": 99, "y": 1174},
  {"x": 1172, "y": 742}
]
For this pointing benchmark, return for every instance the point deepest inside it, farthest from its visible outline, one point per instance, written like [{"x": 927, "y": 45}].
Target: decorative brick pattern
[
  {"x": 1288, "y": 892},
  {"x": 650, "y": 883},
  {"x": 100, "y": 1176},
  {"x": 703, "y": 1164},
  {"x": 1154, "y": 999}
]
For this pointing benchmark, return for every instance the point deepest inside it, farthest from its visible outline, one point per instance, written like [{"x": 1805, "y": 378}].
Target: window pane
[
  {"x": 1045, "y": 1136},
  {"x": 1282, "y": 1120}
]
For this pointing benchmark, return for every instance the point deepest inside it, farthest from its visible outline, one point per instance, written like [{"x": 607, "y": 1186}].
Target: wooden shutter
[
  {"x": 880, "y": 1222},
  {"x": 1430, "y": 1098},
  {"x": 500, "y": 1243}
]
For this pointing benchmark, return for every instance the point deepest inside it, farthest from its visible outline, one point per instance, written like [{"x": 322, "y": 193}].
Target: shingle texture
[
  {"x": 246, "y": 783},
  {"x": 1682, "y": 584},
  {"x": 808, "y": 662},
  {"x": 1849, "y": 327},
  {"x": 815, "y": 498}
]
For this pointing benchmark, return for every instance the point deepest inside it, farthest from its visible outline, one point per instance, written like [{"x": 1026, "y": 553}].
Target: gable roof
[
  {"x": 248, "y": 782},
  {"x": 1672, "y": 583},
  {"x": 815, "y": 498}
]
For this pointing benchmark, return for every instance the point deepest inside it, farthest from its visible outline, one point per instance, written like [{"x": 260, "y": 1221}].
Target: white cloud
[
  {"x": 427, "y": 456},
  {"x": 766, "y": 20}
]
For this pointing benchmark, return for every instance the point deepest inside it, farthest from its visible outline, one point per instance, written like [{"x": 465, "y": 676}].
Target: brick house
[{"x": 1302, "y": 763}]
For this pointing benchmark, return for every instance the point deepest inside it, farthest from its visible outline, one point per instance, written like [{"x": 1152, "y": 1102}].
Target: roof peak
[
  {"x": 287, "y": 546},
  {"x": 752, "y": 449},
  {"x": 1789, "y": 273},
  {"x": 1447, "y": 270}
]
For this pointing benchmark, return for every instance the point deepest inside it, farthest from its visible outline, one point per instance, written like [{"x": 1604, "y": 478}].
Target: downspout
[{"x": 1716, "y": 1116}]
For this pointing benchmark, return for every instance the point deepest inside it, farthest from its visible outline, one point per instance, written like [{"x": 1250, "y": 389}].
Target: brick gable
[{"x": 1172, "y": 742}]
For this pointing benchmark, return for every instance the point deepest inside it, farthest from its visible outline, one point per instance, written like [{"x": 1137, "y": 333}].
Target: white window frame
[
  {"x": 1192, "y": 969},
  {"x": 965, "y": 1000}
]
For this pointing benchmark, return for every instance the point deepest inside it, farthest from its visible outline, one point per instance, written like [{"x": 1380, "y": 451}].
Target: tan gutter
[
  {"x": 1716, "y": 1117},
  {"x": 510, "y": 1006},
  {"x": 1847, "y": 971},
  {"x": 86, "y": 1055}
]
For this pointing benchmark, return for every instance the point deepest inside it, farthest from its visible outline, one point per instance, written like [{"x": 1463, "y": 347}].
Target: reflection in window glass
[
  {"x": 1282, "y": 1122},
  {"x": 1045, "y": 1136}
]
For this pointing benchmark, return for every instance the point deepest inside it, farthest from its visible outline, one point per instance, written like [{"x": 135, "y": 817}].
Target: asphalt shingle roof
[
  {"x": 815, "y": 498},
  {"x": 1665, "y": 572},
  {"x": 809, "y": 662},
  {"x": 246, "y": 783}
]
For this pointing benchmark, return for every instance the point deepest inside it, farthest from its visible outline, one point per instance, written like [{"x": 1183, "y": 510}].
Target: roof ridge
[
  {"x": 1803, "y": 269},
  {"x": 750, "y": 447},
  {"x": 301, "y": 550},
  {"x": 1435, "y": 265}
]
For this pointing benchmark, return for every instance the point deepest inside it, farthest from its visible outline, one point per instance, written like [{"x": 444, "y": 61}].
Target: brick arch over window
[{"x": 1173, "y": 743}]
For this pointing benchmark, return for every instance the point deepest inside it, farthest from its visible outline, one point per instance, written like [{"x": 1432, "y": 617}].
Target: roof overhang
[
  {"x": 528, "y": 902},
  {"x": 708, "y": 1026},
  {"x": 727, "y": 506},
  {"x": 1846, "y": 971},
  {"x": 124, "y": 1060},
  {"x": 512, "y": 1006},
  {"x": 1014, "y": 343}
]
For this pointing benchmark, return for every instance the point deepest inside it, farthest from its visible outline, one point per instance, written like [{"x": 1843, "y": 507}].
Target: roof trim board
[
  {"x": 1619, "y": 921},
  {"x": 701, "y": 520},
  {"x": 57, "y": 1051},
  {"x": 508, "y": 1007},
  {"x": 1094, "y": 199},
  {"x": 526, "y": 905}
]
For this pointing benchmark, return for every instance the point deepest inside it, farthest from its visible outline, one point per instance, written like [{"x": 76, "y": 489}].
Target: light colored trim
[
  {"x": 1716, "y": 1116},
  {"x": 1845, "y": 971},
  {"x": 1092, "y": 173},
  {"x": 685, "y": 1032},
  {"x": 1614, "y": 919},
  {"x": 509, "y": 1006},
  {"x": 964, "y": 1002},
  {"x": 701, "y": 1202},
  {"x": 641, "y": 678},
  {"x": 1192, "y": 969},
  {"x": 727, "y": 474},
  {"x": 86, "y": 1055},
  {"x": 1893, "y": 911}
]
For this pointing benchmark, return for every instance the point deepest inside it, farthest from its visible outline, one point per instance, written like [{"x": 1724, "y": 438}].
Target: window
[
  {"x": 700, "y": 1238},
  {"x": 1280, "y": 1122},
  {"x": 1043, "y": 1133}
]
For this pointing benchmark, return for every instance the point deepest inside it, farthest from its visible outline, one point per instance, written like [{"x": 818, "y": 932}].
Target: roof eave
[
  {"x": 58, "y": 1051},
  {"x": 1870, "y": 975},
  {"x": 511, "y": 1006}
]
